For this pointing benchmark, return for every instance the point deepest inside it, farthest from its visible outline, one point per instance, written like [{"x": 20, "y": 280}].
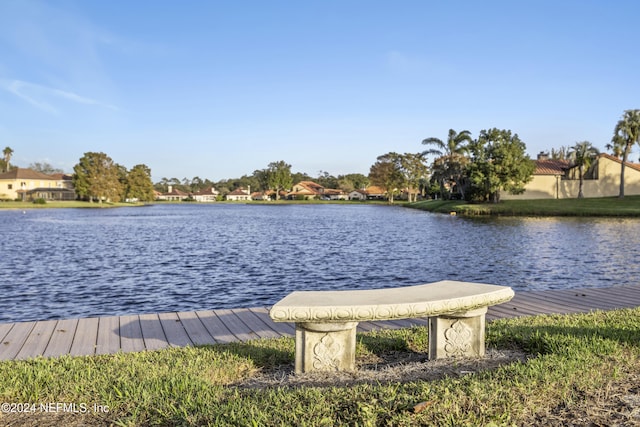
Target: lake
[{"x": 65, "y": 263}]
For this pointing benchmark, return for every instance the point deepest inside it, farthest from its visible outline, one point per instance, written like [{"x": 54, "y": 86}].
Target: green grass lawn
[
  {"x": 607, "y": 206},
  {"x": 573, "y": 361}
]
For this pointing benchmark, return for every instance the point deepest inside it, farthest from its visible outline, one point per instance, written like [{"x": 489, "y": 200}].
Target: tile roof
[
  {"x": 312, "y": 187},
  {"x": 238, "y": 192},
  {"x": 551, "y": 167},
  {"x": 23, "y": 173},
  {"x": 374, "y": 189},
  {"x": 176, "y": 192},
  {"x": 206, "y": 192}
]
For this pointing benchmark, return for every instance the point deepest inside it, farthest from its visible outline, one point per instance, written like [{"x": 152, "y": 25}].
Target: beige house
[
  {"x": 27, "y": 184},
  {"x": 312, "y": 190},
  {"x": 557, "y": 179},
  {"x": 370, "y": 193}
]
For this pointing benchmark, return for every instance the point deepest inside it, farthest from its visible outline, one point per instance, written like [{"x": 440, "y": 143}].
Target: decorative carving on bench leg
[
  {"x": 457, "y": 339},
  {"x": 325, "y": 346},
  {"x": 327, "y": 354},
  {"x": 457, "y": 335}
]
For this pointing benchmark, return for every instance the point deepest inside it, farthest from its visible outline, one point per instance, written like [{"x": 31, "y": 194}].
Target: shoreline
[{"x": 614, "y": 207}]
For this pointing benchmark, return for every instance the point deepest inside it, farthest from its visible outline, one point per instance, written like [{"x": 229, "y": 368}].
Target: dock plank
[
  {"x": 198, "y": 333},
  {"x": 216, "y": 328},
  {"x": 286, "y": 329},
  {"x": 546, "y": 305},
  {"x": 4, "y": 330},
  {"x": 131, "y": 338},
  {"x": 627, "y": 299},
  {"x": 108, "y": 341},
  {"x": 254, "y": 323},
  {"x": 517, "y": 309},
  {"x": 84, "y": 341},
  {"x": 236, "y": 326},
  {"x": 366, "y": 326},
  {"x": 152, "y": 332},
  {"x": 62, "y": 338},
  {"x": 174, "y": 330},
  {"x": 38, "y": 339},
  {"x": 15, "y": 339},
  {"x": 580, "y": 298},
  {"x": 536, "y": 306}
]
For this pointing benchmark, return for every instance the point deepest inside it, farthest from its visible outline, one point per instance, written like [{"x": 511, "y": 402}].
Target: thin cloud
[
  {"x": 16, "y": 87},
  {"x": 41, "y": 97}
]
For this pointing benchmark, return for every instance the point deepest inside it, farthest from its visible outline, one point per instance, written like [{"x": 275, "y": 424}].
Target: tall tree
[
  {"x": 279, "y": 177},
  {"x": 386, "y": 173},
  {"x": 7, "y": 153},
  {"x": 96, "y": 177},
  {"x": 452, "y": 157},
  {"x": 625, "y": 134},
  {"x": 139, "y": 184},
  {"x": 582, "y": 155},
  {"x": 499, "y": 163},
  {"x": 123, "y": 188},
  {"x": 414, "y": 170}
]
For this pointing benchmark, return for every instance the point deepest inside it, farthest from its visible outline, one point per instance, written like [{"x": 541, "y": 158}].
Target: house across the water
[
  {"x": 27, "y": 184},
  {"x": 558, "y": 179}
]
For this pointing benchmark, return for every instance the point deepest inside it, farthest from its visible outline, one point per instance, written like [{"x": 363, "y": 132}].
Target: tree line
[
  {"x": 463, "y": 167},
  {"x": 277, "y": 177},
  {"x": 478, "y": 169}
]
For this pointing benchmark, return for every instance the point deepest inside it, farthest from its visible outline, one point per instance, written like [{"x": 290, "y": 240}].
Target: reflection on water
[{"x": 59, "y": 263}]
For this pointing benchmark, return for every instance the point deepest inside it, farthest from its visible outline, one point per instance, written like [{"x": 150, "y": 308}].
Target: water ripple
[{"x": 77, "y": 263}]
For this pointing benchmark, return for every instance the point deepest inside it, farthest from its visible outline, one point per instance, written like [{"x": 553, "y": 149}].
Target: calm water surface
[{"x": 61, "y": 263}]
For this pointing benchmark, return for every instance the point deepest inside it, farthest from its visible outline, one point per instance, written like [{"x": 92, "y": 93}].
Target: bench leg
[
  {"x": 325, "y": 347},
  {"x": 458, "y": 334}
]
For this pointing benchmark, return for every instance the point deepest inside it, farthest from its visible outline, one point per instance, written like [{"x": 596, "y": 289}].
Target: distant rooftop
[{"x": 24, "y": 173}]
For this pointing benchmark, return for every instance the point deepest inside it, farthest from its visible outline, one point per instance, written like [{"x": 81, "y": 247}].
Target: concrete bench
[{"x": 326, "y": 321}]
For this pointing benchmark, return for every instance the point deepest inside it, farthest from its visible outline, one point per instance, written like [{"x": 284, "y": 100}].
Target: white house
[
  {"x": 206, "y": 195},
  {"x": 238, "y": 195}
]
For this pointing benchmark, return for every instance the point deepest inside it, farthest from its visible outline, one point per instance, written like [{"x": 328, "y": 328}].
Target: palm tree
[
  {"x": 582, "y": 155},
  {"x": 561, "y": 153},
  {"x": 7, "y": 156},
  {"x": 616, "y": 146},
  {"x": 452, "y": 154},
  {"x": 455, "y": 144},
  {"x": 625, "y": 134}
]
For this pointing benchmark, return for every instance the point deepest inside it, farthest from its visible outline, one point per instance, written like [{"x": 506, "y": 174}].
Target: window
[{"x": 10, "y": 186}]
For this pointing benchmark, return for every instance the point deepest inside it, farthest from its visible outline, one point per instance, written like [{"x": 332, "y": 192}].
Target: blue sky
[{"x": 219, "y": 89}]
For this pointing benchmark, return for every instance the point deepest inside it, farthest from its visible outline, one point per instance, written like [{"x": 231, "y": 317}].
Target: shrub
[{"x": 40, "y": 201}]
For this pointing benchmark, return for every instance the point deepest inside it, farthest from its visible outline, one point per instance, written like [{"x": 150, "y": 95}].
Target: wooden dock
[{"x": 129, "y": 333}]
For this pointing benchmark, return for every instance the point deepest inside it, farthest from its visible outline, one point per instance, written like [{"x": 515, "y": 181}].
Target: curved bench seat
[
  {"x": 326, "y": 321},
  {"x": 433, "y": 299}
]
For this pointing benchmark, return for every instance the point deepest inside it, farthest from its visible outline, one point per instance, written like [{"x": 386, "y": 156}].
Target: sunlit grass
[
  {"x": 607, "y": 206},
  {"x": 569, "y": 357}
]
